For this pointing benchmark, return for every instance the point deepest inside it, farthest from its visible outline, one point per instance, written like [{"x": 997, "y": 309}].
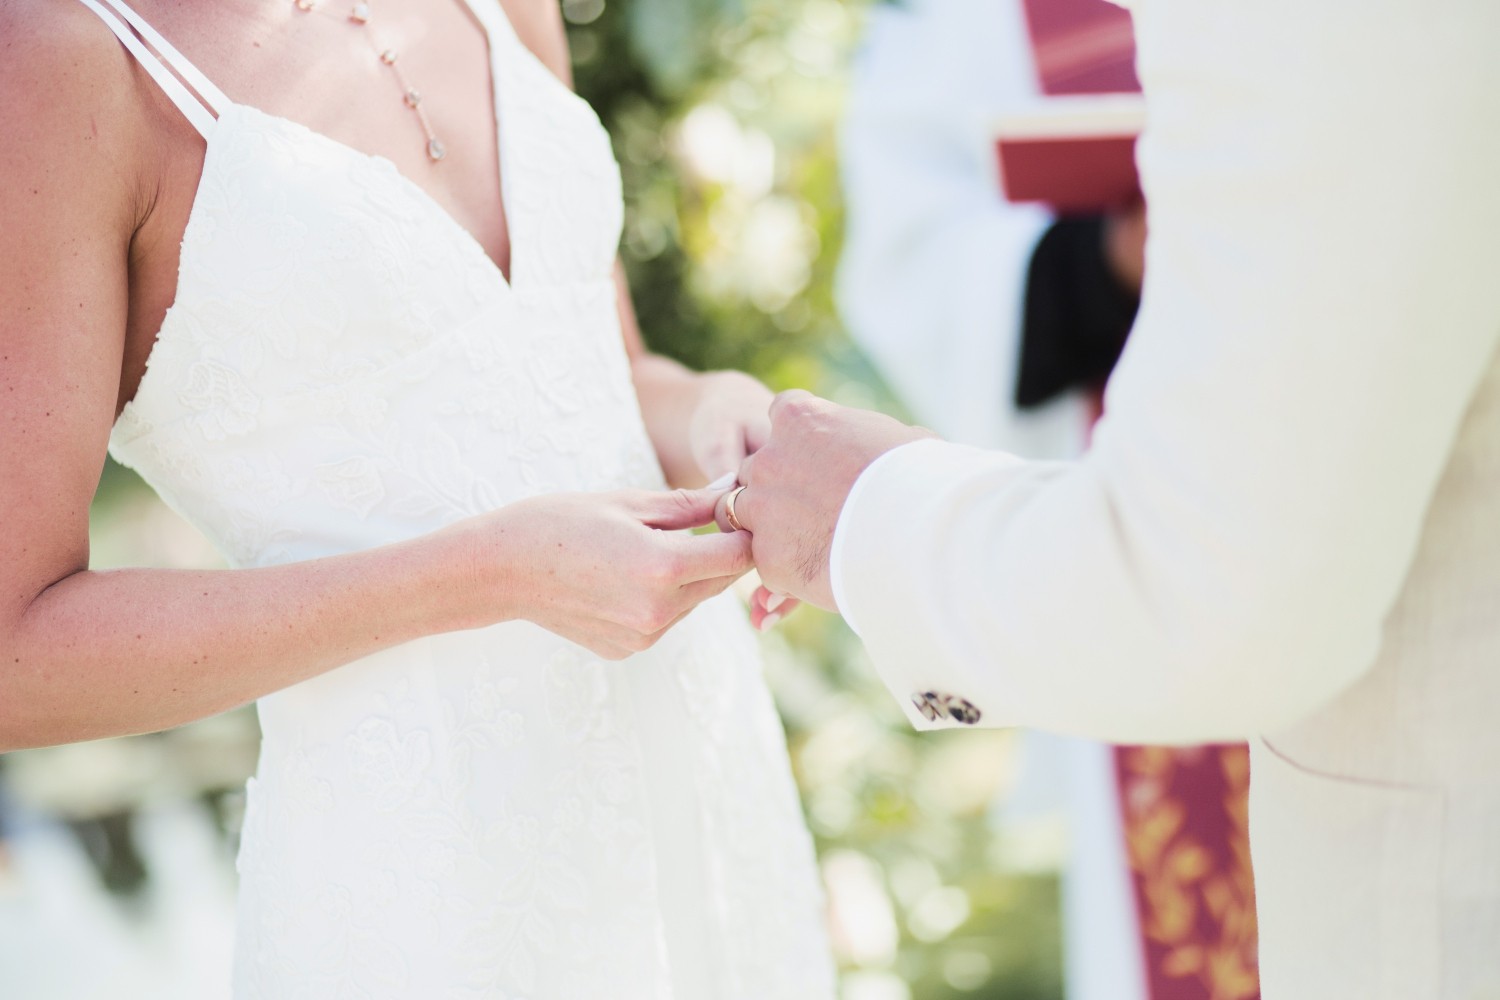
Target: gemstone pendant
[
  {"x": 306, "y": 4},
  {"x": 436, "y": 150},
  {"x": 360, "y": 14},
  {"x": 388, "y": 57},
  {"x": 413, "y": 98}
]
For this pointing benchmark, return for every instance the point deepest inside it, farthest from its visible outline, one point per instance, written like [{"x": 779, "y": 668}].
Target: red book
[
  {"x": 1073, "y": 148},
  {"x": 1075, "y": 154}
]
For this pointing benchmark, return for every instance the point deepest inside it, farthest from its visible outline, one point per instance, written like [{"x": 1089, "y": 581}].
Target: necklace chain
[{"x": 360, "y": 15}]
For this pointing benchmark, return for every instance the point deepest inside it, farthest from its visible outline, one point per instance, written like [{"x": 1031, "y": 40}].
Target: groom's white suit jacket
[{"x": 1288, "y": 527}]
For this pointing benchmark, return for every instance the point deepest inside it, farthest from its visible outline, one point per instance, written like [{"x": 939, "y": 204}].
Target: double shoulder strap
[{"x": 168, "y": 67}]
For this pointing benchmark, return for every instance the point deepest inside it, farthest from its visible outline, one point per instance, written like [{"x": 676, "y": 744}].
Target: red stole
[
  {"x": 1184, "y": 812},
  {"x": 1185, "y": 816}
]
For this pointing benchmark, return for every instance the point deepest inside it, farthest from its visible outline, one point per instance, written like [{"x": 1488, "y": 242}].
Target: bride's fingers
[
  {"x": 722, "y": 455},
  {"x": 695, "y": 594},
  {"x": 743, "y": 500},
  {"x": 674, "y": 509},
  {"x": 603, "y": 643},
  {"x": 638, "y": 642},
  {"x": 768, "y": 601},
  {"x": 723, "y": 483},
  {"x": 656, "y": 636},
  {"x": 768, "y": 607},
  {"x": 610, "y": 641},
  {"x": 698, "y": 591},
  {"x": 760, "y": 598},
  {"x": 613, "y": 641},
  {"x": 709, "y": 557}
]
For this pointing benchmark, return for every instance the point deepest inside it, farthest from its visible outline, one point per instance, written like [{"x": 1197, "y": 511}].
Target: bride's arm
[
  {"x": 702, "y": 424},
  {"x": 88, "y": 654}
]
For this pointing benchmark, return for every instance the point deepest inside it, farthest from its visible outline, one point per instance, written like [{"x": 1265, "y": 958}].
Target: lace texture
[{"x": 493, "y": 814}]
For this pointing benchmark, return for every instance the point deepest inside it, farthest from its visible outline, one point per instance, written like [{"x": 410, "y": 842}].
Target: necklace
[{"x": 359, "y": 14}]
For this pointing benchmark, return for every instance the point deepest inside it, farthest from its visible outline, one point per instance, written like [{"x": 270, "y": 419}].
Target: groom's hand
[{"x": 796, "y": 485}]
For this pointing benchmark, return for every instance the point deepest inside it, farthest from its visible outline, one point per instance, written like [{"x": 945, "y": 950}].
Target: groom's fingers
[
  {"x": 739, "y": 496},
  {"x": 721, "y": 514},
  {"x": 731, "y": 501},
  {"x": 787, "y": 403},
  {"x": 744, "y": 510}
]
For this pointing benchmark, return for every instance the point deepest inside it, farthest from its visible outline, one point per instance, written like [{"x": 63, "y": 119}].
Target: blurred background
[{"x": 116, "y": 858}]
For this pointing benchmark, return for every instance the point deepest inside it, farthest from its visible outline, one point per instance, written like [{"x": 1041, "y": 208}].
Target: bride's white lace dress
[{"x": 497, "y": 813}]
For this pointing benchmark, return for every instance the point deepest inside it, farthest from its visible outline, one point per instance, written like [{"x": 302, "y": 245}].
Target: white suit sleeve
[{"x": 1322, "y": 299}]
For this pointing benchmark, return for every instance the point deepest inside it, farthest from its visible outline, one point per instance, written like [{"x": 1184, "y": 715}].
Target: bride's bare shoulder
[
  {"x": 68, "y": 83},
  {"x": 61, "y": 38},
  {"x": 75, "y": 123}
]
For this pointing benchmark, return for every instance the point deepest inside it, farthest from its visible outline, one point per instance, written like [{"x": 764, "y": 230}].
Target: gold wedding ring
[{"x": 729, "y": 500}]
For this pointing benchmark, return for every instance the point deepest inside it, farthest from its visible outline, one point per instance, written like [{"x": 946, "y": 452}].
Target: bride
[{"x": 357, "y": 316}]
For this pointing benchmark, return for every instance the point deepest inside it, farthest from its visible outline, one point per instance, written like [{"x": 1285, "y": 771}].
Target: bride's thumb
[{"x": 680, "y": 508}]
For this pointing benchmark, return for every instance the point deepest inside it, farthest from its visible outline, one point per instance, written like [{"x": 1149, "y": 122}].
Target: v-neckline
[
  {"x": 412, "y": 187},
  {"x": 506, "y": 178},
  {"x": 498, "y": 91}
]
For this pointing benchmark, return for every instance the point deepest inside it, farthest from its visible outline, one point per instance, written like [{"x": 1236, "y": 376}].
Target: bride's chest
[
  {"x": 336, "y": 331},
  {"x": 303, "y": 259},
  {"x": 304, "y": 263}
]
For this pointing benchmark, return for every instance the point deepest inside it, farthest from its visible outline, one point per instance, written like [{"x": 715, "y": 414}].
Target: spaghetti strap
[
  {"x": 212, "y": 95},
  {"x": 491, "y": 17},
  {"x": 200, "y": 112}
]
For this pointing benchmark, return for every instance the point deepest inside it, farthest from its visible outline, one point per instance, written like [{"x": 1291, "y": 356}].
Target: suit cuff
[{"x": 886, "y": 579}]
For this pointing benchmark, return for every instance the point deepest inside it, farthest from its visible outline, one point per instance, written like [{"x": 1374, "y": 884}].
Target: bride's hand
[
  {"x": 768, "y": 607},
  {"x": 730, "y": 422},
  {"x": 609, "y": 571}
]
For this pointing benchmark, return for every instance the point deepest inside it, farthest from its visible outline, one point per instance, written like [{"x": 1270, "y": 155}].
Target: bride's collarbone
[
  {"x": 328, "y": 79},
  {"x": 322, "y": 70}
]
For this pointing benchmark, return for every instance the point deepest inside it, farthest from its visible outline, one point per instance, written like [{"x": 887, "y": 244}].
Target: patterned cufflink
[{"x": 936, "y": 705}]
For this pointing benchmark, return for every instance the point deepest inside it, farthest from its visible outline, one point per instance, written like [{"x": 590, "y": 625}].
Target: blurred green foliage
[{"x": 724, "y": 117}]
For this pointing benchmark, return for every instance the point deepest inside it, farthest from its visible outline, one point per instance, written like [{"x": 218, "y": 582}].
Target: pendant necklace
[{"x": 359, "y": 14}]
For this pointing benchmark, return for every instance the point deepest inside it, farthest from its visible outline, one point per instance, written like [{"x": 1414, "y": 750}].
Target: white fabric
[
  {"x": 1286, "y": 524},
  {"x": 931, "y": 286},
  {"x": 494, "y": 813}
]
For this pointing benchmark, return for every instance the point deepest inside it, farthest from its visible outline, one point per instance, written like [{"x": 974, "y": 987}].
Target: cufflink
[
  {"x": 963, "y": 711},
  {"x": 936, "y": 705}
]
